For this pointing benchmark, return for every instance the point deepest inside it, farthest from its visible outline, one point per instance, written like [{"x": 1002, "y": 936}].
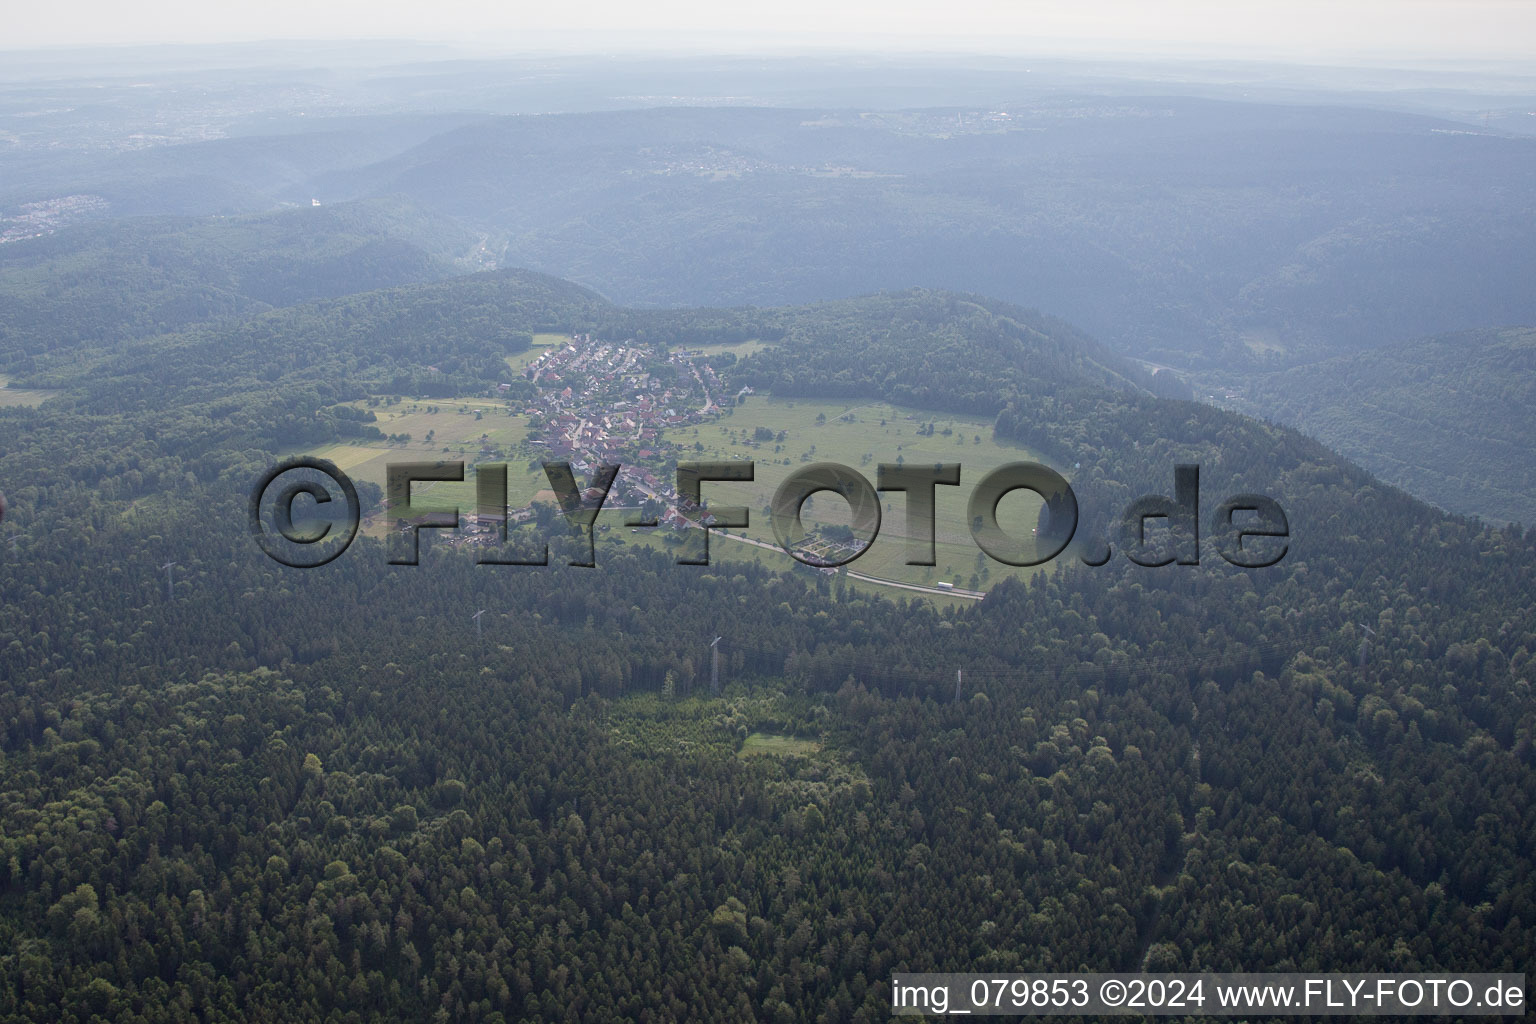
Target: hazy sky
[{"x": 1217, "y": 28}]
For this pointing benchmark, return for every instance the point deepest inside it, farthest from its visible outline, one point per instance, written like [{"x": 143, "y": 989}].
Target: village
[
  {"x": 603, "y": 402},
  {"x": 595, "y": 403}
]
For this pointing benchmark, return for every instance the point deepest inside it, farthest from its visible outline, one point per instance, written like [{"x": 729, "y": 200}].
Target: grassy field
[
  {"x": 1263, "y": 341},
  {"x": 440, "y": 429},
  {"x": 861, "y": 436},
  {"x": 23, "y": 396},
  {"x": 542, "y": 343},
  {"x": 740, "y": 349},
  {"x": 724, "y": 553},
  {"x": 747, "y": 724},
  {"x": 857, "y": 435},
  {"x": 760, "y": 743},
  {"x": 697, "y": 721}
]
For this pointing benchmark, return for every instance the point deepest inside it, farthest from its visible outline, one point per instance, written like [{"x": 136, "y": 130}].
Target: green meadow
[
  {"x": 740, "y": 349},
  {"x": 765, "y": 743},
  {"x": 858, "y": 435},
  {"x": 23, "y": 396},
  {"x": 861, "y": 436},
  {"x": 542, "y": 343},
  {"x": 447, "y": 429}
]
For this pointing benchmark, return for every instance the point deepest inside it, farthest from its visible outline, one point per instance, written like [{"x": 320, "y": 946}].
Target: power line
[{"x": 863, "y": 664}]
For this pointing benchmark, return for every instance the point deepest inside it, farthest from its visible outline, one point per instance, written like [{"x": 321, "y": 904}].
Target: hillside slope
[
  {"x": 101, "y": 283},
  {"x": 1187, "y": 231},
  {"x": 1448, "y": 418},
  {"x": 211, "y": 760}
]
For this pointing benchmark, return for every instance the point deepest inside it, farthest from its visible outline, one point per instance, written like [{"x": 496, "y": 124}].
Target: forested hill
[
  {"x": 1188, "y": 231},
  {"x": 933, "y": 350},
  {"x": 440, "y": 338},
  {"x": 105, "y": 281},
  {"x": 238, "y": 791},
  {"x": 1197, "y": 233},
  {"x": 1449, "y": 418}
]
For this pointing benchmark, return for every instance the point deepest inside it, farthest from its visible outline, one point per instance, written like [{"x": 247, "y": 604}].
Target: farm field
[
  {"x": 772, "y": 744},
  {"x": 862, "y": 435},
  {"x": 454, "y": 429},
  {"x": 725, "y": 552},
  {"x": 858, "y": 435},
  {"x": 740, "y": 349},
  {"x": 23, "y": 396},
  {"x": 542, "y": 343}
]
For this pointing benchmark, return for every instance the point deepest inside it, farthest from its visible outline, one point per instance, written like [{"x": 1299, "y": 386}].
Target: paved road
[
  {"x": 880, "y": 581},
  {"x": 972, "y": 595}
]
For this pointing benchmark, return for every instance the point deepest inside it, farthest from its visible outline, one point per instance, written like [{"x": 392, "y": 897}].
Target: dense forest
[
  {"x": 1447, "y": 418},
  {"x": 88, "y": 285},
  {"x": 244, "y": 792}
]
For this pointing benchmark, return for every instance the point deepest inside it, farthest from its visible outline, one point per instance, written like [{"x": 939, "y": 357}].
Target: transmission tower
[{"x": 714, "y": 666}]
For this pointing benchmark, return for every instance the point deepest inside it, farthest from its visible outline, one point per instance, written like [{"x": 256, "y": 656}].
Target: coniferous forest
[
  {"x": 647, "y": 791},
  {"x": 277, "y": 794}
]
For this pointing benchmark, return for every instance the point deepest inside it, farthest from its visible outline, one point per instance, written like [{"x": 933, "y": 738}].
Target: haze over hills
[
  {"x": 223, "y": 175},
  {"x": 504, "y": 789},
  {"x": 1220, "y": 208},
  {"x": 1448, "y": 418},
  {"x": 1174, "y": 229},
  {"x": 108, "y": 281},
  {"x": 1185, "y": 231},
  {"x": 1220, "y": 237}
]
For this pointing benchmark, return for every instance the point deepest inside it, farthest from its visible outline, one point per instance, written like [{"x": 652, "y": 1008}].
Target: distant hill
[
  {"x": 270, "y": 161},
  {"x": 1449, "y": 418},
  {"x": 1191, "y": 232},
  {"x": 108, "y": 281},
  {"x": 440, "y": 337},
  {"x": 1194, "y": 232},
  {"x": 933, "y": 350}
]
